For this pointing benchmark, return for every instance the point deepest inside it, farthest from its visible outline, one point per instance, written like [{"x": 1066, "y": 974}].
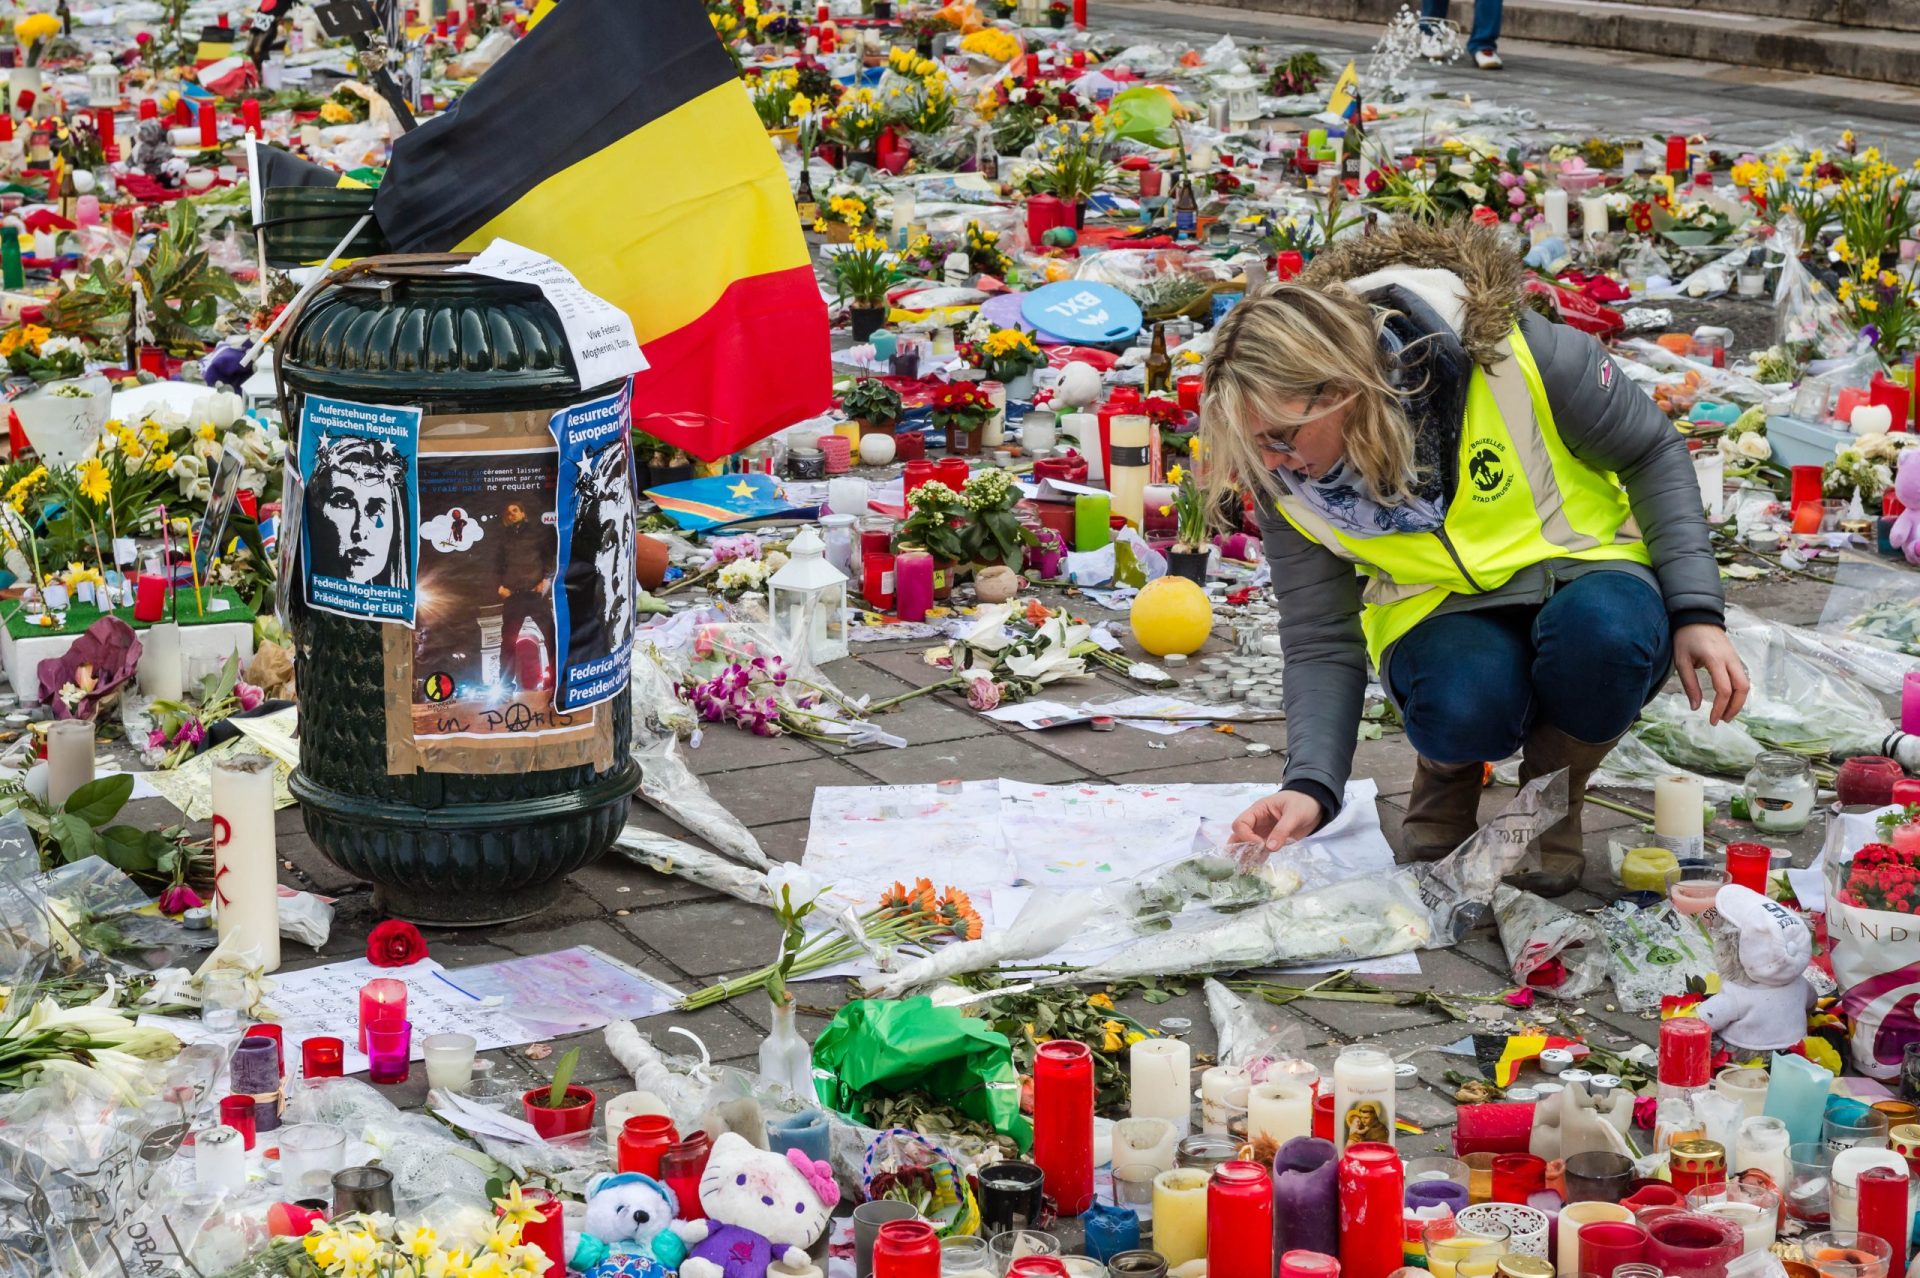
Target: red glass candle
[
  {"x": 147, "y": 109},
  {"x": 1503, "y": 1128},
  {"x": 1033, "y": 68},
  {"x": 381, "y": 999},
  {"x": 1686, "y": 1052},
  {"x": 1189, "y": 389},
  {"x": 1883, "y": 1210},
  {"x": 1905, "y": 793},
  {"x": 1606, "y": 1245},
  {"x": 1677, "y": 153},
  {"x": 681, "y": 1167},
  {"x": 250, "y": 116},
  {"x": 1152, "y": 182},
  {"x": 1747, "y": 865},
  {"x": 150, "y": 599},
  {"x": 1692, "y": 1244},
  {"x": 909, "y": 446},
  {"x": 1516, "y": 1176},
  {"x": 906, "y": 1249},
  {"x": 953, "y": 472},
  {"x": 1867, "y": 778},
  {"x": 1308, "y": 1264},
  {"x": 1373, "y": 1188},
  {"x": 1323, "y": 1116},
  {"x": 209, "y": 126},
  {"x": 1649, "y": 1194},
  {"x": 1039, "y": 1267},
  {"x": 103, "y": 125},
  {"x": 1240, "y": 1207},
  {"x": 237, "y": 1112},
  {"x": 643, "y": 1142},
  {"x": 322, "y": 1057},
  {"x": 182, "y": 114},
  {"x": 876, "y": 578},
  {"x": 918, "y": 473},
  {"x": 1063, "y": 1122},
  {"x": 548, "y": 1231},
  {"x": 912, "y": 584}
]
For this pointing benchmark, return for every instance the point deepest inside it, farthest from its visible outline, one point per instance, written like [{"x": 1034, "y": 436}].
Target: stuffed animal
[
  {"x": 1762, "y": 950},
  {"x": 628, "y": 1232},
  {"x": 761, "y": 1207},
  {"x": 1904, "y": 536}
]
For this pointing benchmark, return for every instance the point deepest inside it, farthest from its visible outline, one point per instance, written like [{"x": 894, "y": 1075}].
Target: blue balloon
[{"x": 1082, "y": 312}]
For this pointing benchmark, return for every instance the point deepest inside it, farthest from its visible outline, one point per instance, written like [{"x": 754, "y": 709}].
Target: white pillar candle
[
  {"x": 1278, "y": 1110},
  {"x": 1149, "y": 1142},
  {"x": 246, "y": 885},
  {"x": 1084, "y": 430},
  {"x": 1678, "y": 817},
  {"x": 69, "y": 757},
  {"x": 160, "y": 665},
  {"x": 631, "y": 1105},
  {"x": 1129, "y": 437},
  {"x": 1553, "y": 201},
  {"x": 1222, "y": 1089},
  {"x": 1162, "y": 1082},
  {"x": 1037, "y": 432},
  {"x": 1593, "y": 216},
  {"x": 1746, "y": 1084},
  {"x": 220, "y": 1159},
  {"x": 1762, "y": 1146},
  {"x": 1571, "y": 1218},
  {"x": 449, "y": 1060},
  {"x": 1362, "y": 1095},
  {"x": 994, "y": 433}
]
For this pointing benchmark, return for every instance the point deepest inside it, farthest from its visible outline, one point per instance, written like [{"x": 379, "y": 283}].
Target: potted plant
[
  {"x": 1057, "y": 14},
  {"x": 962, "y": 409},
  {"x": 883, "y": 10},
  {"x": 1007, "y": 9},
  {"x": 874, "y": 404},
  {"x": 992, "y": 533},
  {"x": 934, "y": 524},
  {"x": 1189, "y": 555},
  {"x": 1010, "y": 356},
  {"x": 671, "y": 465},
  {"x": 857, "y": 122},
  {"x": 560, "y": 1110},
  {"x": 1073, "y": 167},
  {"x": 862, "y": 271}
]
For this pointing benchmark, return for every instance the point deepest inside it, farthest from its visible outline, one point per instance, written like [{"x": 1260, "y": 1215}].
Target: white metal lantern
[
  {"x": 1243, "y": 99},
  {"x": 807, "y": 597},
  {"x": 103, "y": 81}
]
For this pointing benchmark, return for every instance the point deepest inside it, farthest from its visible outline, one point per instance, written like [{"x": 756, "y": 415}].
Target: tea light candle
[
  {"x": 1143, "y": 1142},
  {"x": 1646, "y": 869},
  {"x": 160, "y": 665},
  {"x": 1162, "y": 1086},
  {"x": 1362, "y": 1095},
  {"x": 1180, "y": 1215},
  {"x": 69, "y": 758},
  {"x": 1279, "y": 1110},
  {"x": 1678, "y": 813},
  {"x": 1756, "y": 1223},
  {"x": 1745, "y": 1085},
  {"x": 1218, "y": 1086},
  {"x": 246, "y": 884},
  {"x": 449, "y": 1059}
]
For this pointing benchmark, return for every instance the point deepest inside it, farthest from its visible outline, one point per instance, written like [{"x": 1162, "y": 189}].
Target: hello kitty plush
[
  {"x": 761, "y": 1207},
  {"x": 1904, "y": 536}
]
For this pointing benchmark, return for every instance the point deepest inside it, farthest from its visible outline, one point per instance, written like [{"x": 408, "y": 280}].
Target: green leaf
[
  {"x": 1155, "y": 996},
  {"x": 74, "y": 837},
  {"x": 132, "y": 849},
  {"x": 562, "y": 1076},
  {"x": 98, "y": 800}
]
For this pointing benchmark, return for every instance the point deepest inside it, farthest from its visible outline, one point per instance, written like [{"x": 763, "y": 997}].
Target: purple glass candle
[
  {"x": 1437, "y": 1193},
  {"x": 389, "y": 1045},
  {"x": 1306, "y": 1196},
  {"x": 256, "y": 1072}
]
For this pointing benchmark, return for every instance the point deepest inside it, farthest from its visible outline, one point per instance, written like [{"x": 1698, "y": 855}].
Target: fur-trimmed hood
[{"x": 1489, "y": 272}]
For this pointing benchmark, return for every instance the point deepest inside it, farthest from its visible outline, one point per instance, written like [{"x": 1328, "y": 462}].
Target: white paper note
[{"x": 600, "y": 334}]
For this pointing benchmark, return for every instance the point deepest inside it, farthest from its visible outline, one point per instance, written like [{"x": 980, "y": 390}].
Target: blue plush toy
[{"x": 627, "y": 1234}]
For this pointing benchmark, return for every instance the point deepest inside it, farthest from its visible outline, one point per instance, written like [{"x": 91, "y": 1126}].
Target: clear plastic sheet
[
  {"x": 429, "y": 1163},
  {"x": 1655, "y": 952},
  {"x": 1251, "y": 1036},
  {"x": 1804, "y": 311},
  {"x": 1537, "y": 935},
  {"x": 667, "y": 855}
]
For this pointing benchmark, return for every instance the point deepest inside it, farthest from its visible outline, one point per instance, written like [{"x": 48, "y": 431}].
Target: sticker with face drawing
[{"x": 596, "y": 520}]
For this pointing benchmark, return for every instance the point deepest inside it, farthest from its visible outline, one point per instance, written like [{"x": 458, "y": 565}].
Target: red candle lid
[{"x": 1308, "y": 1264}]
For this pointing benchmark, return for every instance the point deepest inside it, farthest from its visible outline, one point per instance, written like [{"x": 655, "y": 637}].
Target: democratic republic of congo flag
[{"x": 617, "y": 139}]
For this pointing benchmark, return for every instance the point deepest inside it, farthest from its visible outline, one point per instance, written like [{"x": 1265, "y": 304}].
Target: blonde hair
[{"x": 1286, "y": 343}]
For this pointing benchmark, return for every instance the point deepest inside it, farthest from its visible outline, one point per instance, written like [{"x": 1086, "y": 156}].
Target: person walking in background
[{"x": 1482, "y": 42}]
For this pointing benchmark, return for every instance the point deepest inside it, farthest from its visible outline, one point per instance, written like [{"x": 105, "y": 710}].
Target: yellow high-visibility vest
[{"x": 1522, "y": 499}]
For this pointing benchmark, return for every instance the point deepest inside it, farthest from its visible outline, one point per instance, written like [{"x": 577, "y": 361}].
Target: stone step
[
  {"x": 1886, "y": 15},
  {"x": 1750, "y": 38}
]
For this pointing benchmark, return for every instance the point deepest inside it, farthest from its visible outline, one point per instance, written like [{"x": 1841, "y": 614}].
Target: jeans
[
  {"x": 1486, "y": 21},
  {"x": 1470, "y": 685}
]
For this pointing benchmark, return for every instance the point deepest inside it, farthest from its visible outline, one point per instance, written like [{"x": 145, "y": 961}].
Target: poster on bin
[
  {"x": 358, "y": 466},
  {"x": 594, "y": 597}
]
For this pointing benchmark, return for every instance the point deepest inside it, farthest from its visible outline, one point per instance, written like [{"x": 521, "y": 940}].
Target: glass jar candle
[
  {"x": 1780, "y": 793},
  {"x": 1063, "y": 1122},
  {"x": 1180, "y": 1215},
  {"x": 1690, "y": 1245},
  {"x": 1240, "y": 1207},
  {"x": 1372, "y": 1192},
  {"x": 1363, "y": 1085}
]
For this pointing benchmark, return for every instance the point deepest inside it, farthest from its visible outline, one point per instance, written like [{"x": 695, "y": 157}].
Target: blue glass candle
[{"x": 1110, "y": 1230}]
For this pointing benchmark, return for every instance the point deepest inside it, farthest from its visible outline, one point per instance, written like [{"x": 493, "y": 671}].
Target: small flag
[
  {"x": 699, "y": 504},
  {"x": 1345, "y": 98},
  {"x": 1506, "y": 1054}
]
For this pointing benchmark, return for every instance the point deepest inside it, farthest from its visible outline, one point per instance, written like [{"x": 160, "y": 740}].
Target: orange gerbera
[
  {"x": 1037, "y": 613},
  {"x": 921, "y": 899},
  {"x": 957, "y": 913}
]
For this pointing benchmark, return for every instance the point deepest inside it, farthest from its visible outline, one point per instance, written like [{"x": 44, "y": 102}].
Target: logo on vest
[{"x": 1489, "y": 471}]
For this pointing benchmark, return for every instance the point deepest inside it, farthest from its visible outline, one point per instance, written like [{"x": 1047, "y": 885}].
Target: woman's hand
[
  {"x": 1704, "y": 647},
  {"x": 1275, "y": 821}
]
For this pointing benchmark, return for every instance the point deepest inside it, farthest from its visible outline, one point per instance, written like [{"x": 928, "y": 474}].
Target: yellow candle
[
  {"x": 1646, "y": 869},
  {"x": 1180, "y": 1215}
]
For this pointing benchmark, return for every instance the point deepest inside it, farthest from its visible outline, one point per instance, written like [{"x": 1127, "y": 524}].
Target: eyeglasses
[{"x": 1286, "y": 447}]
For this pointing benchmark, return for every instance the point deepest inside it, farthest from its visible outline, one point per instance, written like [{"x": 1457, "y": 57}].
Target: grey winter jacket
[{"x": 1605, "y": 421}]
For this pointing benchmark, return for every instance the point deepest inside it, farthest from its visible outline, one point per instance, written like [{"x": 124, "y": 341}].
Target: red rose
[{"x": 395, "y": 944}]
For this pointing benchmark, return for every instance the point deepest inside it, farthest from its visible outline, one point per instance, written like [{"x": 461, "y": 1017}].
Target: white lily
[{"x": 989, "y": 632}]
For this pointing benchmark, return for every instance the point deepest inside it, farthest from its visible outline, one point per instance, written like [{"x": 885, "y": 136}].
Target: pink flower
[
  {"x": 983, "y": 693},
  {"x": 248, "y": 696},
  {"x": 178, "y": 899},
  {"x": 1509, "y": 180},
  {"x": 1645, "y": 1110},
  {"x": 157, "y": 739},
  {"x": 1516, "y": 197},
  {"x": 192, "y": 731},
  {"x": 1519, "y": 998}
]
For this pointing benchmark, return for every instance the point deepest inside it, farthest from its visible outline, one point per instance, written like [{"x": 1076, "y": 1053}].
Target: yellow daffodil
[
  {"x": 1101, "y": 1000},
  {"x": 35, "y": 27},
  {"x": 96, "y": 483},
  {"x": 516, "y": 1209},
  {"x": 1174, "y": 476}
]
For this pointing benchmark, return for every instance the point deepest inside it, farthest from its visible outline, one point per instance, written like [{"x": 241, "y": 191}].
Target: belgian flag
[{"x": 617, "y": 139}]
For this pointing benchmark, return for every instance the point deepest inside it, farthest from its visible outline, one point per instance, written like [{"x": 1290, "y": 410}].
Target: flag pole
[{"x": 307, "y": 290}]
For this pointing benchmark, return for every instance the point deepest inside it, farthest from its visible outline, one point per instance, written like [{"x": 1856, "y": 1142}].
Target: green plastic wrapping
[{"x": 878, "y": 1047}]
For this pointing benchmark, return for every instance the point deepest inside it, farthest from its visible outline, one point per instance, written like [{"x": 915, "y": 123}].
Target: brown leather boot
[
  {"x": 1444, "y": 808},
  {"x": 1553, "y": 868}
]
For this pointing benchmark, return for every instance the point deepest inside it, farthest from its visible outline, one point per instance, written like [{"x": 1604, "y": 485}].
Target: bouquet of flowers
[
  {"x": 857, "y": 121},
  {"x": 376, "y": 1246},
  {"x": 863, "y": 271},
  {"x": 180, "y": 727},
  {"x": 1075, "y": 164},
  {"x": 983, "y": 251},
  {"x": 1864, "y": 469},
  {"x": 1882, "y": 307},
  {"x": 1881, "y": 878},
  {"x": 33, "y": 351},
  {"x": 774, "y": 92},
  {"x": 1296, "y": 75},
  {"x": 1017, "y": 112}
]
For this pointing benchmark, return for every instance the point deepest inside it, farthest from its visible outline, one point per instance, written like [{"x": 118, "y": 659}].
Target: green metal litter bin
[{"x": 428, "y": 766}]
